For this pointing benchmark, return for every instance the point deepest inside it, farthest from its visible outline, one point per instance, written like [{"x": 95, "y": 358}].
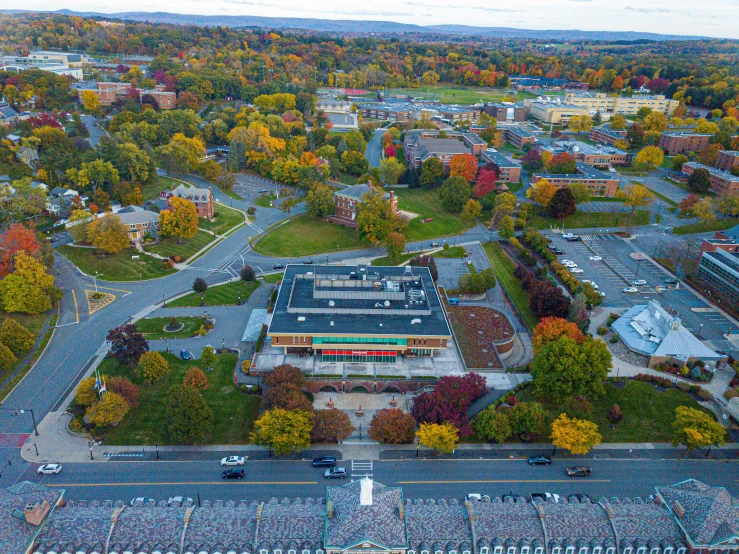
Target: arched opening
[
  {"x": 328, "y": 388},
  {"x": 391, "y": 388},
  {"x": 360, "y": 388}
]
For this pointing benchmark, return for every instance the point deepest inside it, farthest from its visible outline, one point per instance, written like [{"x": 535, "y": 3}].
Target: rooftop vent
[
  {"x": 331, "y": 324},
  {"x": 331, "y": 303},
  {"x": 301, "y": 318},
  {"x": 678, "y": 509}
]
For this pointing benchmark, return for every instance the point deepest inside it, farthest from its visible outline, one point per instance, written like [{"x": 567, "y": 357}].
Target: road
[
  {"x": 372, "y": 153},
  {"x": 96, "y": 133},
  {"x": 419, "y": 478}
]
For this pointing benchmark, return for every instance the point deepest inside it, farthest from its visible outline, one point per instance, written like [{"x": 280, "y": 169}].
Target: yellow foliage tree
[
  {"x": 28, "y": 289},
  {"x": 636, "y": 196},
  {"x": 697, "y": 429},
  {"x": 181, "y": 221},
  {"x": 109, "y": 411},
  {"x": 650, "y": 156},
  {"x": 541, "y": 192},
  {"x": 86, "y": 394},
  {"x": 91, "y": 101},
  {"x": 704, "y": 210},
  {"x": 443, "y": 437},
  {"x": 108, "y": 233},
  {"x": 576, "y": 435}
]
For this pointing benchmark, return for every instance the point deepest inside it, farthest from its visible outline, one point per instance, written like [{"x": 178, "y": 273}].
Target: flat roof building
[
  {"x": 519, "y": 137},
  {"x": 683, "y": 143},
  {"x": 720, "y": 270},
  {"x": 596, "y": 156},
  {"x": 507, "y": 112},
  {"x": 557, "y": 113},
  {"x": 722, "y": 182},
  {"x": 625, "y": 105},
  {"x": 727, "y": 160},
  {"x": 596, "y": 181},
  {"x": 604, "y": 135},
  {"x": 508, "y": 171},
  {"x": 359, "y": 313}
]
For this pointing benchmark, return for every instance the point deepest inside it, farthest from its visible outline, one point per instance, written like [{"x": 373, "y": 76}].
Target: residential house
[
  {"x": 139, "y": 222},
  {"x": 7, "y": 113},
  {"x": 201, "y": 197},
  {"x": 58, "y": 200},
  {"x": 347, "y": 200}
]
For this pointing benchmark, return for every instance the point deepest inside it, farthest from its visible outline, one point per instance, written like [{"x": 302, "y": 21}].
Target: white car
[
  {"x": 576, "y": 270},
  {"x": 50, "y": 469},
  {"x": 602, "y": 294},
  {"x": 631, "y": 290},
  {"x": 591, "y": 283},
  {"x": 179, "y": 500},
  {"x": 595, "y": 258},
  {"x": 565, "y": 261},
  {"x": 141, "y": 501},
  {"x": 639, "y": 283},
  {"x": 477, "y": 497},
  {"x": 567, "y": 235},
  {"x": 233, "y": 461},
  {"x": 570, "y": 265}
]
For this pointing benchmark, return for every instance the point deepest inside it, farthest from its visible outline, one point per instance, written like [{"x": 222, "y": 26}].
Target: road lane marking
[
  {"x": 179, "y": 483},
  {"x": 458, "y": 482}
]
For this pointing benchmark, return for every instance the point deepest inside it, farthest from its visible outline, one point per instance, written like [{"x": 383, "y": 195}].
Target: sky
[{"x": 716, "y": 18}]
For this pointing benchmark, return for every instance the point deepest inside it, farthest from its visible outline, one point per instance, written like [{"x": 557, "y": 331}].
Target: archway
[
  {"x": 360, "y": 388},
  {"x": 328, "y": 388},
  {"x": 391, "y": 388}
]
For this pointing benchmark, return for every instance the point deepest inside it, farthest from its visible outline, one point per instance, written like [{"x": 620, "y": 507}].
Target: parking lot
[
  {"x": 598, "y": 206},
  {"x": 248, "y": 186},
  {"x": 621, "y": 265}
]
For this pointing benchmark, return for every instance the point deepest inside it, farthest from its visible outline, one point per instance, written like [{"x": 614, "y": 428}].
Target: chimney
[
  {"x": 330, "y": 509},
  {"x": 365, "y": 496},
  {"x": 678, "y": 509},
  {"x": 36, "y": 512}
]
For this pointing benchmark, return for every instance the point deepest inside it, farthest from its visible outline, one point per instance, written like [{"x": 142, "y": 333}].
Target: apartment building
[
  {"x": 683, "y": 143},
  {"x": 201, "y": 197},
  {"x": 109, "y": 93},
  {"x": 625, "y": 105},
  {"x": 596, "y": 181},
  {"x": 720, "y": 269},
  {"x": 418, "y": 149},
  {"x": 508, "y": 171},
  {"x": 507, "y": 112},
  {"x": 727, "y": 160},
  {"x": 596, "y": 156},
  {"x": 605, "y": 135},
  {"x": 722, "y": 182},
  {"x": 556, "y": 112},
  {"x": 347, "y": 201},
  {"x": 519, "y": 137}
]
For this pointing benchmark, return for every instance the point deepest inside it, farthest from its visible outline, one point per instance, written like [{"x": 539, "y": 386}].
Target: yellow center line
[
  {"x": 453, "y": 482},
  {"x": 76, "y": 310},
  {"x": 167, "y": 484}
]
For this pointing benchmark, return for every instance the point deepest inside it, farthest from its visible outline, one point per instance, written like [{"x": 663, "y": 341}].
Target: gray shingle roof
[{"x": 356, "y": 191}]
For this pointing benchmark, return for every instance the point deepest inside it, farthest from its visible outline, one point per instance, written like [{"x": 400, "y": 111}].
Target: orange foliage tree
[
  {"x": 16, "y": 239},
  {"x": 552, "y": 328},
  {"x": 463, "y": 165}
]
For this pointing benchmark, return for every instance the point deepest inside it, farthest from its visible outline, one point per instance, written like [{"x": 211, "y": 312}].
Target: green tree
[
  {"x": 699, "y": 181},
  {"x": 208, "y": 357},
  {"x": 505, "y": 227},
  {"x": 395, "y": 245},
  {"x": 392, "y": 426},
  {"x": 199, "y": 285},
  {"x": 94, "y": 174},
  {"x": 580, "y": 193},
  {"x": 527, "y": 418},
  {"x": 391, "y": 170},
  {"x": 375, "y": 217},
  {"x": 471, "y": 211},
  {"x": 80, "y": 218},
  {"x": 152, "y": 366},
  {"x": 432, "y": 173},
  {"x": 108, "y": 411},
  {"x": 443, "y": 437},
  {"x": 576, "y": 435},
  {"x": 16, "y": 337},
  {"x": 454, "y": 194},
  {"x": 86, "y": 394},
  {"x": 354, "y": 162},
  {"x": 284, "y": 431},
  {"x": 565, "y": 368},
  {"x": 320, "y": 200},
  {"x": 696, "y": 429},
  {"x": 189, "y": 418},
  {"x": 29, "y": 289},
  {"x": 7, "y": 358},
  {"x": 108, "y": 233},
  {"x": 492, "y": 425},
  {"x": 288, "y": 204},
  {"x": 678, "y": 161}
]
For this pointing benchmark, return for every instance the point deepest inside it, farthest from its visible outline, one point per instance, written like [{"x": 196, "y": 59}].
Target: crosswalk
[{"x": 361, "y": 469}]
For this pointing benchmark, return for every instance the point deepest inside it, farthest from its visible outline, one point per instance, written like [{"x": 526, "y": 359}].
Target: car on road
[
  {"x": 335, "y": 473},
  {"x": 324, "y": 461},
  {"x": 671, "y": 281},
  {"x": 141, "y": 501},
  {"x": 567, "y": 235},
  {"x": 179, "y": 500},
  {"x": 263, "y": 191},
  {"x": 539, "y": 460},
  {"x": 233, "y": 461},
  {"x": 602, "y": 294},
  {"x": 477, "y": 497},
  {"x": 233, "y": 474},
  {"x": 278, "y": 266},
  {"x": 308, "y": 262},
  {"x": 49, "y": 469},
  {"x": 435, "y": 245},
  {"x": 639, "y": 282},
  {"x": 576, "y": 270},
  {"x": 631, "y": 290},
  {"x": 578, "y": 471},
  {"x": 185, "y": 355},
  {"x": 544, "y": 497},
  {"x": 595, "y": 258}
]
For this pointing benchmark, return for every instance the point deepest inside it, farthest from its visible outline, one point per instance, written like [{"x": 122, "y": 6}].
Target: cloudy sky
[{"x": 716, "y": 18}]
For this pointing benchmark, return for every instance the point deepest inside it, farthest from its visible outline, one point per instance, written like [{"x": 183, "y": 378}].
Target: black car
[
  {"x": 233, "y": 474},
  {"x": 263, "y": 191},
  {"x": 278, "y": 266},
  {"x": 558, "y": 251},
  {"x": 576, "y": 238},
  {"x": 308, "y": 262},
  {"x": 578, "y": 471},
  {"x": 185, "y": 355},
  {"x": 671, "y": 281},
  {"x": 539, "y": 460},
  {"x": 324, "y": 461}
]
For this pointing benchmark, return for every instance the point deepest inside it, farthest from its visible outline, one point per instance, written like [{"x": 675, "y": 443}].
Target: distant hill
[{"x": 374, "y": 27}]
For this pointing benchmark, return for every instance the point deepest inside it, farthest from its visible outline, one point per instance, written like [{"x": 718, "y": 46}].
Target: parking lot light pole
[{"x": 19, "y": 411}]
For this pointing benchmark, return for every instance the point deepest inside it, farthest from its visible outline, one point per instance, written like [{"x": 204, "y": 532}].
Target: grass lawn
[
  {"x": 451, "y": 252},
  {"x": 581, "y": 220},
  {"x": 170, "y": 247},
  {"x": 152, "y": 327},
  {"x": 504, "y": 267},
  {"x": 226, "y": 219},
  {"x": 425, "y": 203},
  {"x": 718, "y": 225},
  {"x": 233, "y": 411},
  {"x": 348, "y": 179},
  {"x": 273, "y": 277},
  {"x": 648, "y": 412},
  {"x": 456, "y": 94},
  {"x": 150, "y": 192},
  {"x": 385, "y": 260},
  {"x": 304, "y": 235},
  {"x": 263, "y": 200},
  {"x": 222, "y": 295},
  {"x": 118, "y": 267},
  {"x": 513, "y": 188}
]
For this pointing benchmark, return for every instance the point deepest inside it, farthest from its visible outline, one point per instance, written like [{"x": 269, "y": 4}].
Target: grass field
[
  {"x": 456, "y": 94},
  {"x": 222, "y": 295},
  {"x": 504, "y": 268},
  {"x": 153, "y": 328},
  {"x": 304, "y": 235},
  {"x": 273, "y": 277},
  {"x": 226, "y": 219},
  {"x": 581, "y": 220},
  {"x": 119, "y": 267},
  {"x": 718, "y": 225},
  {"x": 171, "y": 247},
  {"x": 263, "y": 200},
  {"x": 233, "y": 411},
  {"x": 150, "y": 192},
  {"x": 451, "y": 252},
  {"x": 425, "y": 203},
  {"x": 648, "y": 413}
]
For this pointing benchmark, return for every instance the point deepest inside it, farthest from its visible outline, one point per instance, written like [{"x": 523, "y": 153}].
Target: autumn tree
[
  {"x": 637, "y": 196},
  {"x": 17, "y": 239},
  {"x": 124, "y": 387},
  {"x": 485, "y": 183},
  {"x": 527, "y": 419},
  {"x": 94, "y": 174},
  {"x": 471, "y": 211},
  {"x": 330, "y": 426},
  {"x": 16, "y": 337},
  {"x": 127, "y": 344},
  {"x": 618, "y": 122},
  {"x": 375, "y": 217},
  {"x": 548, "y": 300},
  {"x": 86, "y": 394},
  {"x": 7, "y": 358},
  {"x": 78, "y": 225},
  {"x": 562, "y": 164},
  {"x": 319, "y": 200},
  {"x": 463, "y": 165},
  {"x": 532, "y": 161},
  {"x": 391, "y": 170},
  {"x": 247, "y": 273},
  {"x": 578, "y": 436},
  {"x": 108, "y": 411},
  {"x": 454, "y": 194},
  {"x": 541, "y": 192},
  {"x": 108, "y": 233},
  {"x": 699, "y": 181},
  {"x": 704, "y": 211},
  {"x": 432, "y": 173},
  {"x": 181, "y": 155},
  {"x": 152, "y": 366},
  {"x": 655, "y": 121},
  {"x": 450, "y": 400},
  {"x": 354, "y": 162},
  {"x": 695, "y": 428},
  {"x": 284, "y": 431},
  {"x": 392, "y": 426},
  {"x": 189, "y": 419},
  {"x": 181, "y": 221},
  {"x": 443, "y": 437},
  {"x": 580, "y": 193},
  {"x": 492, "y": 425},
  {"x": 29, "y": 289},
  {"x": 552, "y": 328},
  {"x": 650, "y": 156},
  {"x": 287, "y": 397},
  {"x": 395, "y": 244},
  {"x": 678, "y": 162},
  {"x": 562, "y": 204},
  {"x": 506, "y": 227},
  {"x": 195, "y": 378},
  {"x": 580, "y": 123},
  {"x": 91, "y": 102}
]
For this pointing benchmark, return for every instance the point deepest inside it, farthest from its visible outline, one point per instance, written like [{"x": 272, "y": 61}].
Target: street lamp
[
  {"x": 164, "y": 302},
  {"x": 166, "y": 344},
  {"x": 20, "y": 411},
  {"x": 95, "y": 280},
  {"x": 223, "y": 343}
]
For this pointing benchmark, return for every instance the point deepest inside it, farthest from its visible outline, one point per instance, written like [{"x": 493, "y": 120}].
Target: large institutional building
[
  {"x": 368, "y": 517},
  {"x": 626, "y": 105},
  {"x": 358, "y": 313}
]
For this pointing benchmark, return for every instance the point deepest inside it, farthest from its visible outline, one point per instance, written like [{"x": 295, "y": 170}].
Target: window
[
  {"x": 628, "y": 551},
  {"x": 642, "y": 550},
  {"x": 583, "y": 550},
  {"x": 484, "y": 550},
  {"x": 525, "y": 550},
  {"x": 511, "y": 550},
  {"x": 570, "y": 550},
  {"x": 498, "y": 550},
  {"x": 556, "y": 550},
  {"x": 539, "y": 550},
  {"x": 610, "y": 550}
]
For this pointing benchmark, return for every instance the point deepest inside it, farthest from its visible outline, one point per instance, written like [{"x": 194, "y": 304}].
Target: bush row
[{"x": 700, "y": 393}]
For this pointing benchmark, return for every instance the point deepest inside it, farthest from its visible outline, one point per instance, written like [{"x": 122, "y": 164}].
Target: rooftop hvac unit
[
  {"x": 301, "y": 318},
  {"x": 377, "y": 284},
  {"x": 331, "y": 303},
  {"x": 415, "y": 321},
  {"x": 331, "y": 324},
  {"x": 387, "y": 303}
]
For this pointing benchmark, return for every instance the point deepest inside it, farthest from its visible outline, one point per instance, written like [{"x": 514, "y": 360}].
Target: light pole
[
  {"x": 164, "y": 302},
  {"x": 9, "y": 463},
  {"x": 20, "y": 411},
  {"x": 89, "y": 445},
  {"x": 95, "y": 280},
  {"x": 223, "y": 343},
  {"x": 166, "y": 344}
]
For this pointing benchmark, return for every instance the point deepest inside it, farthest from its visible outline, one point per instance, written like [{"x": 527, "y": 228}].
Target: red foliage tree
[
  {"x": 689, "y": 202},
  {"x": 392, "y": 426},
  {"x": 450, "y": 400},
  {"x": 562, "y": 163},
  {"x": 43, "y": 120},
  {"x": 283, "y": 375},
  {"x": 124, "y": 387},
  {"x": 390, "y": 151},
  {"x": 485, "y": 182},
  {"x": 16, "y": 239},
  {"x": 552, "y": 328},
  {"x": 547, "y": 300},
  {"x": 463, "y": 165},
  {"x": 287, "y": 397}
]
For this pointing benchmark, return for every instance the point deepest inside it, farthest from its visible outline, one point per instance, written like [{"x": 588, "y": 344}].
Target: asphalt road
[
  {"x": 96, "y": 133},
  {"x": 419, "y": 478},
  {"x": 372, "y": 153}
]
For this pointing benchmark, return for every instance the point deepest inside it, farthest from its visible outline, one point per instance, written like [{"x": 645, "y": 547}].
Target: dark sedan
[
  {"x": 539, "y": 460},
  {"x": 233, "y": 474}
]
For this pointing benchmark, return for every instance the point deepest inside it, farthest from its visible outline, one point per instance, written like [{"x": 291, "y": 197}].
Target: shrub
[
  {"x": 730, "y": 393},
  {"x": 602, "y": 330},
  {"x": 109, "y": 411},
  {"x": 177, "y": 259},
  {"x": 247, "y": 273},
  {"x": 7, "y": 358},
  {"x": 511, "y": 399},
  {"x": 124, "y": 387},
  {"x": 86, "y": 394},
  {"x": 208, "y": 357},
  {"x": 199, "y": 285},
  {"x": 173, "y": 323},
  {"x": 683, "y": 386},
  {"x": 245, "y": 367},
  {"x": 614, "y": 339},
  {"x": 694, "y": 389},
  {"x": 614, "y": 414},
  {"x": 16, "y": 337},
  {"x": 196, "y": 379},
  {"x": 704, "y": 395},
  {"x": 152, "y": 367}
]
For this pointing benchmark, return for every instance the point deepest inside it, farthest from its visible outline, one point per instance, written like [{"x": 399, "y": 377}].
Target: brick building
[
  {"x": 139, "y": 222},
  {"x": 604, "y": 135},
  {"x": 347, "y": 200},
  {"x": 202, "y": 198},
  {"x": 509, "y": 171},
  {"x": 419, "y": 149},
  {"x": 727, "y": 160},
  {"x": 596, "y": 181},
  {"x": 519, "y": 137},
  {"x": 722, "y": 182},
  {"x": 683, "y": 143},
  {"x": 596, "y": 156},
  {"x": 109, "y": 93},
  {"x": 507, "y": 112}
]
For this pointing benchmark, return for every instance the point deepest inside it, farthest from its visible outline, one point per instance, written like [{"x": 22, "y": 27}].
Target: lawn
[
  {"x": 648, "y": 413},
  {"x": 226, "y": 219},
  {"x": 222, "y": 295},
  {"x": 451, "y": 252},
  {"x": 273, "y": 277},
  {"x": 348, "y": 179},
  {"x": 425, "y": 203},
  {"x": 386, "y": 260},
  {"x": 118, "y": 267},
  {"x": 233, "y": 411},
  {"x": 456, "y": 94},
  {"x": 504, "y": 267},
  {"x": 718, "y": 225},
  {"x": 305, "y": 235},
  {"x": 582, "y": 220},
  {"x": 150, "y": 192},
  {"x": 153, "y": 327},
  {"x": 170, "y": 246},
  {"x": 513, "y": 188},
  {"x": 264, "y": 200}
]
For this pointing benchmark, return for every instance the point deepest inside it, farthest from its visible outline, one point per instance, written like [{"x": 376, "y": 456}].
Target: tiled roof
[
  {"x": 15, "y": 533},
  {"x": 433, "y": 521},
  {"x": 499, "y": 521}
]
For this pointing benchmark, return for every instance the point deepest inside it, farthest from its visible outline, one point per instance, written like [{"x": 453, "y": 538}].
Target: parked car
[
  {"x": 565, "y": 261},
  {"x": 558, "y": 251},
  {"x": 324, "y": 461},
  {"x": 567, "y": 235},
  {"x": 477, "y": 497},
  {"x": 308, "y": 262},
  {"x": 185, "y": 355},
  {"x": 544, "y": 497},
  {"x": 591, "y": 283},
  {"x": 335, "y": 473},
  {"x": 278, "y": 266},
  {"x": 639, "y": 282},
  {"x": 574, "y": 238},
  {"x": 671, "y": 281},
  {"x": 595, "y": 258},
  {"x": 576, "y": 270},
  {"x": 233, "y": 461},
  {"x": 263, "y": 191},
  {"x": 578, "y": 471},
  {"x": 435, "y": 245},
  {"x": 539, "y": 460},
  {"x": 233, "y": 474},
  {"x": 631, "y": 290},
  {"x": 179, "y": 500},
  {"x": 50, "y": 469},
  {"x": 141, "y": 501},
  {"x": 661, "y": 288}
]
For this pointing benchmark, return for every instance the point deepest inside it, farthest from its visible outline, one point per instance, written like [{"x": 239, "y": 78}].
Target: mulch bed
[{"x": 476, "y": 329}]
